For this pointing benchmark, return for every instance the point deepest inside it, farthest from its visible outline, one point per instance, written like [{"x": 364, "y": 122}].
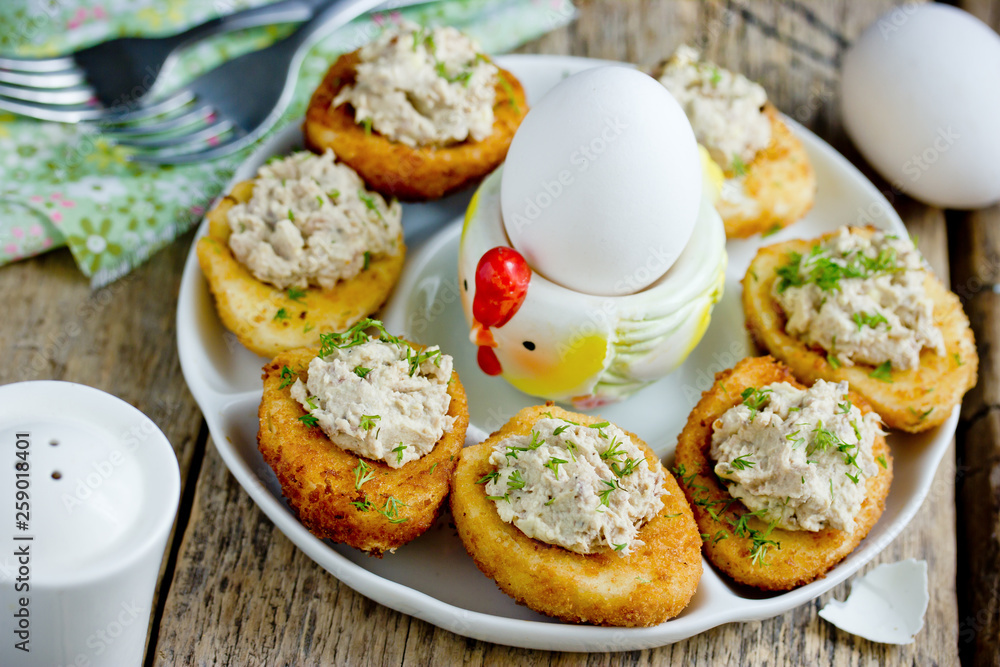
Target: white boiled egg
[
  {"x": 920, "y": 93},
  {"x": 602, "y": 183}
]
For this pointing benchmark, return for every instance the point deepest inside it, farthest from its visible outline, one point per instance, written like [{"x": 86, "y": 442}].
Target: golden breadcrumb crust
[
  {"x": 780, "y": 185},
  {"x": 917, "y": 399},
  {"x": 651, "y": 585},
  {"x": 264, "y": 318},
  {"x": 395, "y": 169},
  {"x": 803, "y": 555},
  {"x": 318, "y": 477}
]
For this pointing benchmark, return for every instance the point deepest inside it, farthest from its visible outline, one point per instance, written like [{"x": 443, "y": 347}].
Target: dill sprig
[{"x": 362, "y": 473}]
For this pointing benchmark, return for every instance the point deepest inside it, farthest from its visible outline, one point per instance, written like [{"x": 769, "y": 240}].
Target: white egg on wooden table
[
  {"x": 920, "y": 94},
  {"x": 602, "y": 183}
]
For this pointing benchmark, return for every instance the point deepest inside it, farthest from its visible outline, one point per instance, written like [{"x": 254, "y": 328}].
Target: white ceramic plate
[{"x": 433, "y": 578}]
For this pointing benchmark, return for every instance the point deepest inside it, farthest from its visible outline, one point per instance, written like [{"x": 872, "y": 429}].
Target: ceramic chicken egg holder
[{"x": 583, "y": 349}]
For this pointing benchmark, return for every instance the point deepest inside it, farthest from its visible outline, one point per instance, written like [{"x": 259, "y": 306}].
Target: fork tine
[
  {"x": 233, "y": 144},
  {"x": 62, "y": 79},
  {"x": 211, "y": 131},
  {"x": 76, "y": 95},
  {"x": 64, "y": 114},
  {"x": 190, "y": 117},
  {"x": 36, "y": 64},
  {"x": 108, "y": 118},
  {"x": 174, "y": 102}
]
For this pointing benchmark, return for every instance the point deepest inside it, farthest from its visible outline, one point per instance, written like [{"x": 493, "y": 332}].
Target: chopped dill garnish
[
  {"x": 536, "y": 440},
  {"x": 509, "y": 90},
  {"x": 362, "y": 473},
  {"x": 363, "y": 505},
  {"x": 357, "y": 335},
  {"x": 882, "y": 372},
  {"x": 818, "y": 268},
  {"x": 296, "y": 294},
  {"x": 367, "y": 422},
  {"x": 369, "y": 202},
  {"x": 761, "y": 543},
  {"x": 754, "y": 399},
  {"x": 553, "y": 465},
  {"x": 391, "y": 510},
  {"x": 870, "y": 321},
  {"x": 488, "y": 477},
  {"x": 738, "y": 166},
  {"x": 613, "y": 451},
  {"x": 606, "y": 493},
  {"x": 288, "y": 376},
  {"x": 515, "y": 481},
  {"x": 627, "y": 468}
]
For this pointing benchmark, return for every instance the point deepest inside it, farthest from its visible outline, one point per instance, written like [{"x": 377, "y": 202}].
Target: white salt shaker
[{"x": 89, "y": 488}]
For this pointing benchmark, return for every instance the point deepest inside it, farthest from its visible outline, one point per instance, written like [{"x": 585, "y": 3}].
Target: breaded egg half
[
  {"x": 326, "y": 485},
  {"x": 395, "y": 169},
  {"x": 649, "y": 586},
  {"x": 267, "y": 320},
  {"x": 911, "y": 400},
  {"x": 801, "y": 556},
  {"x": 777, "y": 188}
]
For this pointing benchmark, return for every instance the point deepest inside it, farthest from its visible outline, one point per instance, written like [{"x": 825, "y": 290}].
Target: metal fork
[
  {"x": 90, "y": 83},
  {"x": 231, "y": 106}
]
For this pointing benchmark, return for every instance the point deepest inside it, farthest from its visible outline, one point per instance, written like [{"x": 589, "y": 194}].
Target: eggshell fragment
[{"x": 887, "y": 605}]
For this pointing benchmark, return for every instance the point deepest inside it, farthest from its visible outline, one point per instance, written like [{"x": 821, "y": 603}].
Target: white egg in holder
[{"x": 590, "y": 261}]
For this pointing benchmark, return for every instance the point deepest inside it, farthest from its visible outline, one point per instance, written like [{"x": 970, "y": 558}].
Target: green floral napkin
[{"x": 67, "y": 185}]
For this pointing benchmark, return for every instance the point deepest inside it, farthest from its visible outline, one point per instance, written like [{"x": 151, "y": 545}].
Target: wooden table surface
[{"x": 235, "y": 591}]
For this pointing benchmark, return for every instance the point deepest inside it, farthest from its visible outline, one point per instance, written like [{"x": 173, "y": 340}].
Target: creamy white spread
[
  {"x": 380, "y": 399},
  {"x": 725, "y": 108},
  {"x": 799, "y": 458},
  {"x": 423, "y": 86},
  {"x": 311, "y": 221},
  {"x": 580, "y": 487},
  {"x": 862, "y": 299}
]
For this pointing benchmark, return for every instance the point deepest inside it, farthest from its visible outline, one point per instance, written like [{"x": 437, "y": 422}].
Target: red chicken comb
[{"x": 502, "y": 278}]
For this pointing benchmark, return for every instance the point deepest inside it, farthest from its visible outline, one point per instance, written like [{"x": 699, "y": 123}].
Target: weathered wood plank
[
  {"x": 976, "y": 273},
  {"x": 987, "y": 11},
  {"x": 976, "y": 243}
]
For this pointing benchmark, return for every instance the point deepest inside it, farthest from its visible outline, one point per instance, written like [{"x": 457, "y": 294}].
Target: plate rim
[{"x": 531, "y": 634}]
